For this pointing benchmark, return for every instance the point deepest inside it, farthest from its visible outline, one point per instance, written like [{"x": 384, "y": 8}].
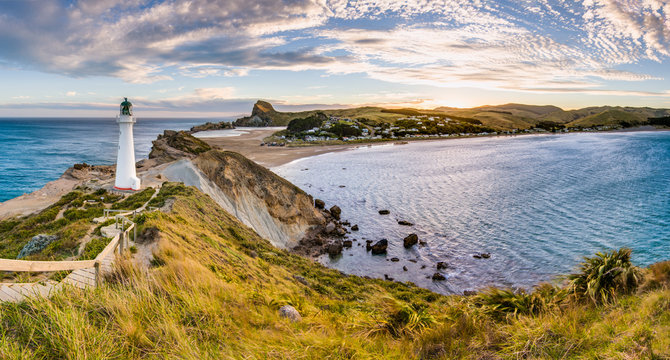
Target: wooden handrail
[
  {"x": 40, "y": 266},
  {"x": 44, "y": 266}
]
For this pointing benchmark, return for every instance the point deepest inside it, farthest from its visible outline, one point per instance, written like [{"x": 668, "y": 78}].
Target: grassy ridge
[{"x": 215, "y": 287}]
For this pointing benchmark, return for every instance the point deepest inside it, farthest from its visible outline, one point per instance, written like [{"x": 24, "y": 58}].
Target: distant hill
[
  {"x": 502, "y": 117},
  {"x": 510, "y": 116},
  {"x": 264, "y": 114}
]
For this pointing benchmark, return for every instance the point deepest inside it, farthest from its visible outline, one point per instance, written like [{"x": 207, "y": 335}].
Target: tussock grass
[
  {"x": 602, "y": 277},
  {"x": 216, "y": 288}
]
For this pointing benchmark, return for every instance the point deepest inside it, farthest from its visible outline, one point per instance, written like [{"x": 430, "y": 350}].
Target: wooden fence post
[
  {"x": 97, "y": 273},
  {"x": 121, "y": 236}
]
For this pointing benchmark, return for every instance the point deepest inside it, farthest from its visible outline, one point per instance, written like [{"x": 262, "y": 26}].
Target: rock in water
[
  {"x": 335, "y": 248},
  {"x": 335, "y": 211},
  {"x": 347, "y": 243},
  {"x": 405, "y": 223},
  {"x": 289, "y": 312},
  {"x": 354, "y": 228},
  {"x": 410, "y": 240},
  {"x": 380, "y": 247},
  {"x": 442, "y": 265},
  {"x": 330, "y": 227},
  {"x": 384, "y": 212},
  {"x": 36, "y": 244},
  {"x": 439, "y": 277},
  {"x": 319, "y": 204},
  {"x": 368, "y": 245}
]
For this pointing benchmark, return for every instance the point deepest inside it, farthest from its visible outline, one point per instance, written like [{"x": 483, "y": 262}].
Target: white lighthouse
[{"x": 126, "y": 178}]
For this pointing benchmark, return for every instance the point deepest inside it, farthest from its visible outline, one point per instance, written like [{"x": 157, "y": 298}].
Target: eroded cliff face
[{"x": 276, "y": 209}]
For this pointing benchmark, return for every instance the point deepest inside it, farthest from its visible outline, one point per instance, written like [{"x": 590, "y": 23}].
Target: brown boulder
[{"x": 410, "y": 240}]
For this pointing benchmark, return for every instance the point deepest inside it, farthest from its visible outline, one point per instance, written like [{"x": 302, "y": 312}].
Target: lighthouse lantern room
[{"x": 126, "y": 177}]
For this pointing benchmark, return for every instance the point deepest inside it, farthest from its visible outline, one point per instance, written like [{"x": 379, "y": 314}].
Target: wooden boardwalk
[{"x": 85, "y": 274}]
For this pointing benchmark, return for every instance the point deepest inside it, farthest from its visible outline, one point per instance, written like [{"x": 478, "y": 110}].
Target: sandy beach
[{"x": 248, "y": 144}]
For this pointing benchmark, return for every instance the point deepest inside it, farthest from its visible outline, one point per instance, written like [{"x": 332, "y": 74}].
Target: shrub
[
  {"x": 302, "y": 124},
  {"x": 67, "y": 198},
  {"x": 135, "y": 201},
  {"x": 89, "y": 213},
  {"x": 94, "y": 247},
  {"x": 169, "y": 190},
  {"x": 8, "y": 225},
  {"x": 603, "y": 276},
  {"x": 657, "y": 276}
]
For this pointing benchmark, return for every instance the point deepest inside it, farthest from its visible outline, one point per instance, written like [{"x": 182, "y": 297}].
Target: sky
[{"x": 205, "y": 58}]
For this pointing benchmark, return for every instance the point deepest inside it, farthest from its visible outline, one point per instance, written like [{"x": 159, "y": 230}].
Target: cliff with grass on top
[{"x": 276, "y": 209}]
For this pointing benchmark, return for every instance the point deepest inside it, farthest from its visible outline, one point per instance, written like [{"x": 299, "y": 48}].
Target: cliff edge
[{"x": 276, "y": 209}]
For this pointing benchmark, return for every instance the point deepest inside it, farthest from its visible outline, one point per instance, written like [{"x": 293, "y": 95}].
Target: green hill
[
  {"x": 263, "y": 114},
  {"x": 611, "y": 117},
  {"x": 499, "y": 117}
]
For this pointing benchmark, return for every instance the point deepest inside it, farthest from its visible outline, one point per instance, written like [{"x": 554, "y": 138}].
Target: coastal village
[{"x": 411, "y": 127}]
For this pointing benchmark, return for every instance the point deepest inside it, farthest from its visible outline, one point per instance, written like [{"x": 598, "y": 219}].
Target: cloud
[
  {"x": 71, "y": 93},
  {"x": 215, "y": 93},
  {"x": 136, "y": 40},
  {"x": 525, "y": 45}
]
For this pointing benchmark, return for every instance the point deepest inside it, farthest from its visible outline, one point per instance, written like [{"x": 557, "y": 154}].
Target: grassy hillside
[
  {"x": 610, "y": 117},
  {"x": 499, "y": 117},
  {"x": 508, "y": 116},
  {"x": 214, "y": 289}
]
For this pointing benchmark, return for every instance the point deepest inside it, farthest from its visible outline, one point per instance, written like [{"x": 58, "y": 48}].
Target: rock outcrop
[
  {"x": 289, "y": 312},
  {"x": 263, "y": 114},
  {"x": 276, "y": 209},
  {"x": 173, "y": 145},
  {"x": 213, "y": 126}
]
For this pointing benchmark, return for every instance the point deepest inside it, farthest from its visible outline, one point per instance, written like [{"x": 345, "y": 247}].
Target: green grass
[
  {"x": 70, "y": 228},
  {"x": 94, "y": 247},
  {"x": 135, "y": 201}
]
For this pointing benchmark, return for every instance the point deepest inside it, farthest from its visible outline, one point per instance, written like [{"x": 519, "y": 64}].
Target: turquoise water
[
  {"x": 38, "y": 150},
  {"x": 536, "y": 203}
]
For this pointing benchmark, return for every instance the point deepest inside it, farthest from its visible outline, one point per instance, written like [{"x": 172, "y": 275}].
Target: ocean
[
  {"x": 38, "y": 150},
  {"x": 537, "y": 204}
]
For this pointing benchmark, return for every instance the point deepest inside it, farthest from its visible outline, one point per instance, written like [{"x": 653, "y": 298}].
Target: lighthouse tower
[{"x": 126, "y": 178}]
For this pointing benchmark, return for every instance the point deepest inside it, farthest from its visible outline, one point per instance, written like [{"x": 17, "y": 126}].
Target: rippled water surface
[
  {"x": 536, "y": 203},
  {"x": 35, "y": 151}
]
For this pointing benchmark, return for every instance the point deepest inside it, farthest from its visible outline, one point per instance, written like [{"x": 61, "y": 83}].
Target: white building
[{"x": 126, "y": 177}]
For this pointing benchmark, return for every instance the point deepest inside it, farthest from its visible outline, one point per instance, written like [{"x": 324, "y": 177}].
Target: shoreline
[{"x": 246, "y": 143}]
